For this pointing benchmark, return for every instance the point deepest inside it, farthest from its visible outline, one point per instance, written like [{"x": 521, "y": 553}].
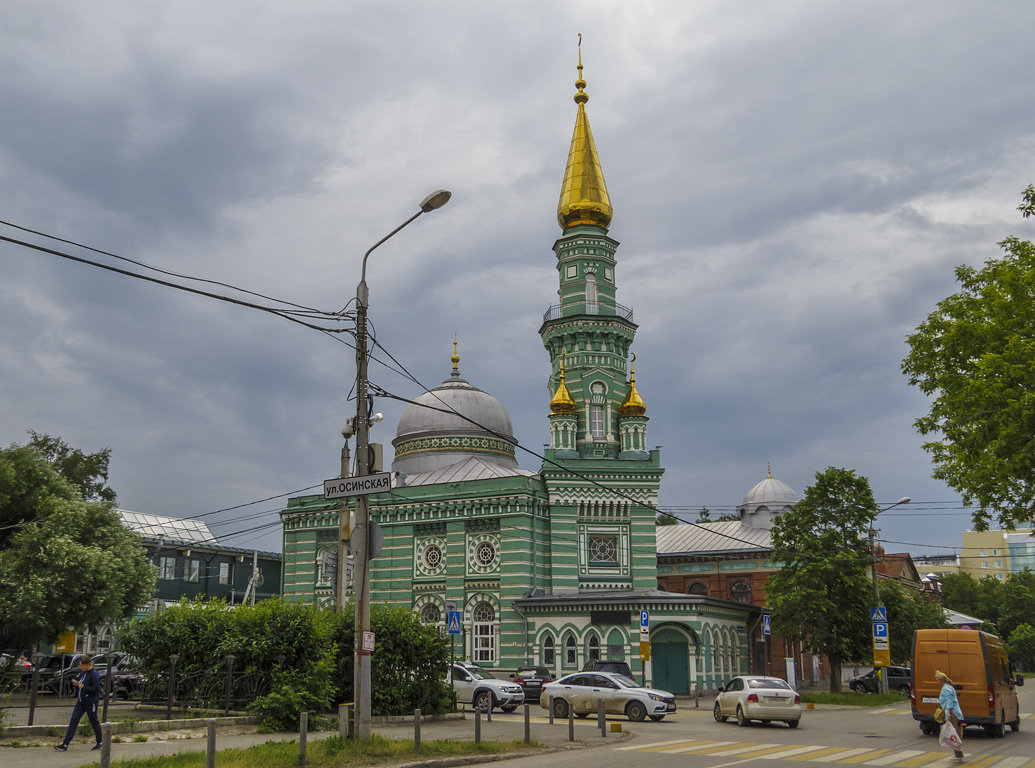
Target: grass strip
[{"x": 332, "y": 752}]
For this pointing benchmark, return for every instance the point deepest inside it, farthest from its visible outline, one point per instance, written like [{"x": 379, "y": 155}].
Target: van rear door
[{"x": 969, "y": 673}]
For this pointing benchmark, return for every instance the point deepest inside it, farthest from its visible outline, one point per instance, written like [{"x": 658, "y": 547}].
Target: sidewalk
[{"x": 502, "y": 728}]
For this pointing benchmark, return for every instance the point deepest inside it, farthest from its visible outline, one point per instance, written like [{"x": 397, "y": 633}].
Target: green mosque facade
[{"x": 551, "y": 567}]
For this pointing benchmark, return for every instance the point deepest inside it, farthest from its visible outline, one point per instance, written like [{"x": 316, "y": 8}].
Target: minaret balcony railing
[{"x": 557, "y": 311}]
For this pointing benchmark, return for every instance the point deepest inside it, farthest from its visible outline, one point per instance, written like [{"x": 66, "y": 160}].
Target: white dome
[
  {"x": 433, "y": 433},
  {"x": 766, "y": 501}
]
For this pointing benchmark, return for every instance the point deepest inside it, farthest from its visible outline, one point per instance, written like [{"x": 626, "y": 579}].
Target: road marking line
[
  {"x": 869, "y": 754},
  {"x": 824, "y": 753},
  {"x": 840, "y": 754},
  {"x": 685, "y": 743},
  {"x": 894, "y": 757},
  {"x": 784, "y": 754},
  {"x": 1012, "y": 762},
  {"x": 985, "y": 760},
  {"x": 750, "y": 750},
  {"x": 921, "y": 760},
  {"x": 652, "y": 744},
  {"x": 683, "y": 750}
]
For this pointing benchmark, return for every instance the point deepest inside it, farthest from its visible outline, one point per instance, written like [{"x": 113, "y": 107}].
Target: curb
[{"x": 139, "y": 726}]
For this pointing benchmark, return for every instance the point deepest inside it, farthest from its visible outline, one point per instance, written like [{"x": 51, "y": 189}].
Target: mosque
[{"x": 555, "y": 567}]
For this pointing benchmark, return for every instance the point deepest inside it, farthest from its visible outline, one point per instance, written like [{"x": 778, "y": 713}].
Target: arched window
[
  {"x": 593, "y": 648},
  {"x": 591, "y": 293},
  {"x": 484, "y": 631},
  {"x": 741, "y": 591},
  {"x": 430, "y": 614},
  {"x": 698, "y": 588},
  {"x": 571, "y": 654},
  {"x": 596, "y": 421},
  {"x": 549, "y": 658}
]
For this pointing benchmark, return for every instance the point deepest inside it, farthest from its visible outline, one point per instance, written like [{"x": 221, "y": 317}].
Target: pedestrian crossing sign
[
  {"x": 453, "y": 622},
  {"x": 880, "y": 613}
]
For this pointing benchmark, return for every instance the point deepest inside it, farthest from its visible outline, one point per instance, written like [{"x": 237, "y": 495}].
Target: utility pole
[{"x": 361, "y": 531}]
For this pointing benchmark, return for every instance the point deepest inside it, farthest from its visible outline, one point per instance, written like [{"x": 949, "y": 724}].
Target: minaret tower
[{"x": 602, "y": 479}]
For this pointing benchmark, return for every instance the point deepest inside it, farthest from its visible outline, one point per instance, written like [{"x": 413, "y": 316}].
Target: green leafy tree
[
  {"x": 975, "y": 357},
  {"x": 65, "y": 561},
  {"x": 1016, "y": 602},
  {"x": 666, "y": 519},
  {"x": 978, "y": 598},
  {"x": 822, "y": 593},
  {"x": 87, "y": 471},
  {"x": 908, "y": 611},
  {"x": 1021, "y": 646}
]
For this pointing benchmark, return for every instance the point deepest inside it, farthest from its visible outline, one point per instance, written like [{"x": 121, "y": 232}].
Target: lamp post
[
  {"x": 882, "y": 678},
  {"x": 361, "y": 532}
]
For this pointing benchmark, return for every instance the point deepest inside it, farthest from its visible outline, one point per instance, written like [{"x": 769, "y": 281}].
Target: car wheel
[
  {"x": 928, "y": 729},
  {"x": 998, "y": 730},
  {"x": 766, "y": 722},
  {"x": 903, "y": 689},
  {"x": 657, "y": 718},
  {"x": 1016, "y": 724},
  {"x": 635, "y": 711},
  {"x": 741, "y": 720},
  {"x": 717, "y": 713},
  {"x": 483, "y": 700},
  {"x": 582, "y": 714},
  {"x": 560, "y": 708},
  {"x": 792, "y": 723},
  {"x": 858, "y": 687},
  {"x": 509, "y": 708}
]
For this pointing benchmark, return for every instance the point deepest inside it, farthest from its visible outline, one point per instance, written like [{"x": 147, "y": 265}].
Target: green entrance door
[{"x": 670, "y": 660}]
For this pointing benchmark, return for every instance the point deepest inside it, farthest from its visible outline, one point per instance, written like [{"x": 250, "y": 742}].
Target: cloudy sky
[{"x": 793, "y": 183}]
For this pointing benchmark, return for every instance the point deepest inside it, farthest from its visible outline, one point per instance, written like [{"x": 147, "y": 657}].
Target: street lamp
[
  {"x": 882, "y": 679},
  {"x": 361, "y": 533}
]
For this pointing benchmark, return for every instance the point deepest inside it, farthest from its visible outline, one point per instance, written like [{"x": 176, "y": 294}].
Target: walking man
[{"x": 89, "y": 685}]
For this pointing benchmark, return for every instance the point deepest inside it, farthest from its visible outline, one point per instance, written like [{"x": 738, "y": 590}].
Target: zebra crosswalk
[{"x": 815, "y": 753}]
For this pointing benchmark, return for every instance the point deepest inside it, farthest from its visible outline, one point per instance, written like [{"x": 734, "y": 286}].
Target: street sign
[
  {"x": 453, "y": 622},
  {"x": 766, "y": 625},
  {"x": 376, "y": 540},
  {"x": 644, "y": 651},
  {"x": 880, "y": 630},
  {"x": 342, "y": 487},
  {"x": 368, "y": 641},
  {"x": 880, "y": 613},
  {"x": 644, "y": 626}
]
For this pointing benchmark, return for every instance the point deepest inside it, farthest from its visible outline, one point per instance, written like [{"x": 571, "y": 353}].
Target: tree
[
  {"x": 980, "y": 599},
  {"x": 1021, "y": 646},
  {"x": 64, "y": 561},
  {"x": 975, "y": 356},
  {"x": 822, "y": 593},
  {"x": 1016, "y": 602},
  {"x": 87, "y": 471},
  {"x": 666, "y": 519},
  {"x": 908, "y": 611}
]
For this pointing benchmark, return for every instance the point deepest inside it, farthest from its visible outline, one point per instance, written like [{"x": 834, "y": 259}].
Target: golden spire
[
  {"x": 633, "y": 404},
  {"x": 562, "y": 402},
  {"x": 769, "y": 465},
  {"x": 584, "y": 198},
  {"x": 455, "y": 360}
]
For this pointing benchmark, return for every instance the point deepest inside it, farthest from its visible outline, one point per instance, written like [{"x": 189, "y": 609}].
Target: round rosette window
[{"x": 484, "y": 554}]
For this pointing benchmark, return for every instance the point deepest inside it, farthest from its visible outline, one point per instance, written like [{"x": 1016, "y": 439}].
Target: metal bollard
[
  {"x": 601, "y": 718},
  {"x": 210, "y": 747},
  {"x": 528, "y": 724},
  {"x": 571, "y": 723},
  {"x": 106, "y": 729},
  {"x": 303, "y": 730},
  {"x": 477, "y": 726},
  {"x": 551, "y": 710},
  {"x": 488, "y": 711},
  {"x": 34, "y": 684},
  {"x": 416, "y": 730},
  {"x": 697, "y": 697}
]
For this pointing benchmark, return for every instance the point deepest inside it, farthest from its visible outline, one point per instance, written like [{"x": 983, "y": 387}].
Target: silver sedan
[{"x": 755, "y": 697}]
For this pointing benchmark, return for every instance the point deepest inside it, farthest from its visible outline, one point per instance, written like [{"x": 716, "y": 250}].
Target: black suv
[
  {"x": 898, "y": 680},
  {"x": 617, "y": 667}
]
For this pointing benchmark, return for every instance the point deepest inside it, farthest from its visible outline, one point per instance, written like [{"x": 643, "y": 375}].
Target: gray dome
[
  {"x": 766, "y": 501},
  {"x": 433, "y": 435}
]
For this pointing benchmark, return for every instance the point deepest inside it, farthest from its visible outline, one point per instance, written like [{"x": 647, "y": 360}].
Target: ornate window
[
  {"x": 326, "y": 567},
  {"x": 593, "y": 648},
  {"x": 571, "y": 656},
  {"x": 596, "y": 421},
  {"x": 549, "y": 658},
  {"x": 697, "y": 588},
  {"x": 429, "y": 557},
  {"x": 484, "y": 619},
  {"x": 483, "y": 554},
  {"x": 603, "y": 550},
  {"x": 591, "y": 293},
  {"x": 430, "y": 614},
  {"x": 741, "y": 591},
  {"x": 432, "y": 557}
]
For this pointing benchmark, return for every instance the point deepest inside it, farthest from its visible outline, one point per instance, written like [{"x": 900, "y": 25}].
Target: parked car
[
  {"x": 124, "y": 681},
  {"x": 898, "y": 680},
  {"x": 532, "y": 679},
  {"x": 614, "y": 667},
  {"x": 756, "y": 697},
  {"x": 477, "y": 687},
  {"x": 580, "y": 691},
  {"x": 15, "y": 672},
  {"x": 53, "y": 665}
]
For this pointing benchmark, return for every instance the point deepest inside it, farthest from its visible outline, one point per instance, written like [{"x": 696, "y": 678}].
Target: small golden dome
[
  {"x": 562, "y": 402},
  {"x": 633, "y": 404}
]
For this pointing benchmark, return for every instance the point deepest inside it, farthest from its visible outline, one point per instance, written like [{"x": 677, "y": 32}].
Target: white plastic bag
[{"x": 949, "y": 738}]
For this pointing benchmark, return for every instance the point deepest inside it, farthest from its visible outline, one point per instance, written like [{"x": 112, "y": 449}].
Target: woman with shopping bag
[{"x": 951, "y": 735}]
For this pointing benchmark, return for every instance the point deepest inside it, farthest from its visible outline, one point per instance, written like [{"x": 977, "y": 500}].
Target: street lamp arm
[{"x": 363, "y": 273}]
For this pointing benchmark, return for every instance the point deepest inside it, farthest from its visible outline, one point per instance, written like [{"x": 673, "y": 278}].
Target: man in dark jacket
[{"x": 89, "y": 685}]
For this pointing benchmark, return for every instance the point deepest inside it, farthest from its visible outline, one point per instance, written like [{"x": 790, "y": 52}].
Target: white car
[
  {"x": 477, "y": 687},
  {"x": 757, "y": 697},
  {"x": 622, "y": 696}
]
